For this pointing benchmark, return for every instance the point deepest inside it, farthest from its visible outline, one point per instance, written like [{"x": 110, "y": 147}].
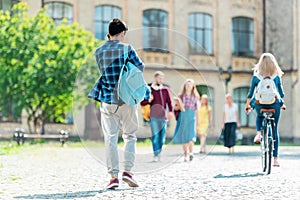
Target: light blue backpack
[{"x": 132, "y": 88}]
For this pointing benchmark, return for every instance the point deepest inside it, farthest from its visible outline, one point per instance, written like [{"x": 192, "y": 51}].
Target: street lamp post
[{"x": 228, "y": 78}]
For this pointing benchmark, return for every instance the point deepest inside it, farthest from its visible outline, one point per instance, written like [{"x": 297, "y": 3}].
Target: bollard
[{"x": 64, "y": 136}]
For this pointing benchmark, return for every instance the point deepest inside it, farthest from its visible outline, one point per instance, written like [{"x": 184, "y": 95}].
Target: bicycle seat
[{"x": 265, "y": 110}]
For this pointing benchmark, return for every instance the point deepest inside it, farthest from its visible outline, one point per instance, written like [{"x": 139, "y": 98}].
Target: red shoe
[
  {"x": 113, "y": 184},
  {"x": 127, "y": 177}
]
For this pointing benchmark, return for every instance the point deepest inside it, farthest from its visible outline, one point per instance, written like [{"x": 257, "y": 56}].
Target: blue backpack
[{"x": 132, "y": 88}]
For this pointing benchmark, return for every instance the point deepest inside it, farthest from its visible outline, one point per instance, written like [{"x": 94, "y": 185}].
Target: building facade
[
  {"x": 214, "y": 42},
  {"x": 282, "y": 29}
]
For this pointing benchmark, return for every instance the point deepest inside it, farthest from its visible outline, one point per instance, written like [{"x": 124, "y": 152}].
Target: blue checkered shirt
[{"x": 110, "y": 59}]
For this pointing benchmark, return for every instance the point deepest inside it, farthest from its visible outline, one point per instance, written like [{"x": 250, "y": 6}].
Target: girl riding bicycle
[{"x": 267, "y": 66}]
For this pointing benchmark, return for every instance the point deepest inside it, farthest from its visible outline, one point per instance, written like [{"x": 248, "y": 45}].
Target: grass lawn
[{"x": 11, "y": 147}]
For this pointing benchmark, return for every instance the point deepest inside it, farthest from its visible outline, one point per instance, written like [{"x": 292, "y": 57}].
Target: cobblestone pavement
[{"x": 73, "y": 173}]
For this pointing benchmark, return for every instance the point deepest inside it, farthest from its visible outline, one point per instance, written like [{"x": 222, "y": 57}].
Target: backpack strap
[
  {"x": 122, "y": 68},
  {"x": 125, "y": 53},
  {"x": 260, "y": 77},
  {"x": 273, "y": 76}
]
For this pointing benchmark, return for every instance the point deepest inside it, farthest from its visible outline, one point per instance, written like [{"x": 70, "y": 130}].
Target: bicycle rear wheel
[{"x": 270, "y": 156}]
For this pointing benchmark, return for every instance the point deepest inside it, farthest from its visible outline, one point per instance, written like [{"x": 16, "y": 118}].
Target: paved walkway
[{"x": 75, "y": 173}]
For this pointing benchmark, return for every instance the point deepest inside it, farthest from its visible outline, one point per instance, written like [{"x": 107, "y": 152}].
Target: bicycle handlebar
[{"x": 249, "y": 109}]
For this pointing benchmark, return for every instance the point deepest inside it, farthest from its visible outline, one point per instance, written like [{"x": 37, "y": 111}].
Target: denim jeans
[
  {"x": 276, "y": 115},
  {"x": 158, "y": 128},
  {"x": 114, "y": 118}
]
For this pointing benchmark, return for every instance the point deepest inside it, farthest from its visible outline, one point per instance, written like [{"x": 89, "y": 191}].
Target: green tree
[{"x": 39, "y": 63}]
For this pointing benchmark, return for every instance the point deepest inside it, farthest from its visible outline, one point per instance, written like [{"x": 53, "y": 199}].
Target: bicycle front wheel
[{"x": 269, "y": 150}]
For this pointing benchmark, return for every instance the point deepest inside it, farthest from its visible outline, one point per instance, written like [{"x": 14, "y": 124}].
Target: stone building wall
[{"x": 178, "y": 64}]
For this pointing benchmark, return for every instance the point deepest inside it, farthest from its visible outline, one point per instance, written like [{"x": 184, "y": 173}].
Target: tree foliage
[{"x": 39, "y": 63}]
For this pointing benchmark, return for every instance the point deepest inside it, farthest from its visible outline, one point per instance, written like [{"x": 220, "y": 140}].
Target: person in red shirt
[{"x": 161, "y": 110}]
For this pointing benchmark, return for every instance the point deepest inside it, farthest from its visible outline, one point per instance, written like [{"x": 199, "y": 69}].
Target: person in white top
[{"x": 231, "y": 121}]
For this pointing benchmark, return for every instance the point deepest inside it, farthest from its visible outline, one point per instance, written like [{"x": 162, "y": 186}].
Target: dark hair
[{"x": 116, "y": 26}]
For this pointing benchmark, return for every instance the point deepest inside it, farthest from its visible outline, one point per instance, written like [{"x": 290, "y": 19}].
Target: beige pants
[{"x": 113, "y": 119}]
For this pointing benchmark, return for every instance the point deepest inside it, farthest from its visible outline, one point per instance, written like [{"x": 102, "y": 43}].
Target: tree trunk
[
  {"x": 42, "y": 126},
  {"x": 29, "y": 126},
  {"x": 29, "y": 118},
  {"x": 35, "y": 123}
]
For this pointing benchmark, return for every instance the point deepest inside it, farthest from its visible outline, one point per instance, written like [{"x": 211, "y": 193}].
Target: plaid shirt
[
  {"x": 110, "y": 60},
  {"x": 190, "y": 103}
]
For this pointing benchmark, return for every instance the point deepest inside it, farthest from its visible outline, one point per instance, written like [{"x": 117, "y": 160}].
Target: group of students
[
  {"x": 193, "y": 116},
  {"x": 116, "y": 117}
]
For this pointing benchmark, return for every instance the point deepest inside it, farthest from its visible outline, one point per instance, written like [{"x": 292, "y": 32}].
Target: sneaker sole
[
  {"x": 129, "y": 182},
  {"x": 112, "y": 186}
]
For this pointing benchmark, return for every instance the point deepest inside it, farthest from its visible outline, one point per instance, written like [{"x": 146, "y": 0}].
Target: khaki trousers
[{"x": 113, "y": 119}]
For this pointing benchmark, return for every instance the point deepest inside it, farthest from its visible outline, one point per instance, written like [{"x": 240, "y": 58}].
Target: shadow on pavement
[
  {"x": 245, "y": 175},
  {"x": 236, "y": 154},
  {"x": 294, "y": 156},
  {"x": 71, "y": 195}
]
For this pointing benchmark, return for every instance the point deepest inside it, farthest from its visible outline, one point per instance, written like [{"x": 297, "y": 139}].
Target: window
[
  {"x": 209, "y": 91},
  {"x": 200, "y": 33},
  {"x": 102, "y": 16},
  {"x": 7, "y": 4},
  {"x": 69, "y": 118},
  {"x": 155, "y": 30},
  {"x": 242, "y": 37},
  {"x": 239, "y": 97},
  {"x": 59, "y": 11}
]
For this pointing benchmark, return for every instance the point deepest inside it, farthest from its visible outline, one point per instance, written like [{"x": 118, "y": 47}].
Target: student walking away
[
  {"x": 231, "y": 121},
  {"x": 204, "y": 122},
  {"x": 160, "y": 111},
  {"x": 185, "y": 131},
  {"x": 114, "y": 114},
  {"x": 271, "y": 97}
]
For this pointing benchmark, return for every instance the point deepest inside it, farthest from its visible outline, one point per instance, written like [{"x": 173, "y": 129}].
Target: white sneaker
[
  {"x": 185, "y": 159},
  {"x": 155, "y": 159}
]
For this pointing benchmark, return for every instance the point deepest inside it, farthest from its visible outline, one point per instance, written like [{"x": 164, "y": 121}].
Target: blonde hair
[
  {"x": 267, "y": 66},
  {"x": 194, "y": 90},
  {"x": 204, "y": 96}
]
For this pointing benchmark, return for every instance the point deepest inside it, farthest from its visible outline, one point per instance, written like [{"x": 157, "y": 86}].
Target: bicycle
[{"x": 267, "y": 139}]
